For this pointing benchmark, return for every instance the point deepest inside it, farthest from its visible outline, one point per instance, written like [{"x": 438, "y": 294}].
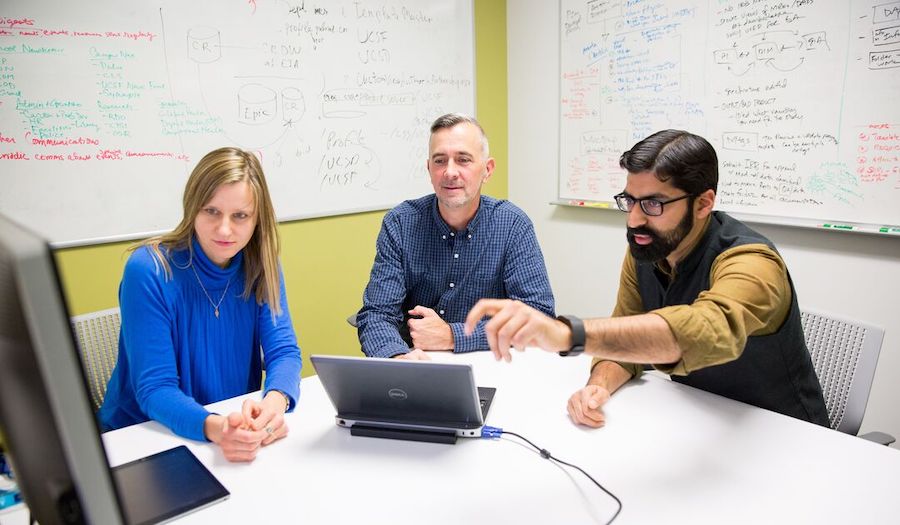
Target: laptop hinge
[{"x": 428, "y": 436}]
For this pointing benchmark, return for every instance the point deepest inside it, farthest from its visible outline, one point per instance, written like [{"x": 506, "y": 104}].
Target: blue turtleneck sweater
[{"x": 175, "y": 355}]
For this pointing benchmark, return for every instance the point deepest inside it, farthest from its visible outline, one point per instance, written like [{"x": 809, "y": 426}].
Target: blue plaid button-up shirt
[{"x": 420, "y": 260}]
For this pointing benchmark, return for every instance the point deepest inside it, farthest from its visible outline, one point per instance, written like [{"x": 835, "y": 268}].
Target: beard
[
  {"x": 663, "y": 243},
  {"x": 455, "y": 202}
]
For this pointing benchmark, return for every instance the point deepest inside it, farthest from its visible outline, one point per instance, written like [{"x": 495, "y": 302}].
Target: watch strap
[{"x": 578, "y": 334}]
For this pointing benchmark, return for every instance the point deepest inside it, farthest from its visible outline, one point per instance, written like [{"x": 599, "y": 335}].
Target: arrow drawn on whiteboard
[
  {"x": 771, "y": 63},
  {"x": 744, "y": 72}
]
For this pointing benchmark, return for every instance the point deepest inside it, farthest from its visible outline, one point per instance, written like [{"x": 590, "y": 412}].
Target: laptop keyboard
[{"x": 485, "y": 396}]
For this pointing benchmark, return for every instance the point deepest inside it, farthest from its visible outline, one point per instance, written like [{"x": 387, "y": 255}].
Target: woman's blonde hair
[{"x": 215, "y": 169}]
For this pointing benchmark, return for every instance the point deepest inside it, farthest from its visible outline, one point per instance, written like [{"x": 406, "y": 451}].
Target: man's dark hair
[{"x": 688, "y": 160}]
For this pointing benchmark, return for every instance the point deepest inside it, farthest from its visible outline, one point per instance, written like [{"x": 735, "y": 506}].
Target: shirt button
[
  {"x": 452, "y": 285},
  {"x": 470, "y": 235},
  {"x": 452, "y": 234},
  {"x": 441, "y": 312},
  {"x": 456, "y": 256},
  {"x": 443, "y": 237}
]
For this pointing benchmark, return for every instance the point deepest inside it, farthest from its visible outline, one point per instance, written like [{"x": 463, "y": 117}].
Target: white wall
[{"x": 843, "y": 273}]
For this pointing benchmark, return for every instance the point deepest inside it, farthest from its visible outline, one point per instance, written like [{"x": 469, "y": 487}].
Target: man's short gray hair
[{"x": 452, "y": 119}]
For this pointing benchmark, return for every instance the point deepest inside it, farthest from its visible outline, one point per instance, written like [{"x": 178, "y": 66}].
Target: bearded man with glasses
[{"x": 702, "y": 297}]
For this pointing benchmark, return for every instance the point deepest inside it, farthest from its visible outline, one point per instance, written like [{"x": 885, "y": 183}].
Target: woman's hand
[
  {"x": 267, "y": 416},
  {"x": 241, "y": 434},
  {"x": 237, "y": 440}
]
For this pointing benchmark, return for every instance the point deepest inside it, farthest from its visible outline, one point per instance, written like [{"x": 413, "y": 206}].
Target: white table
[{"x": 671, "y": 453}]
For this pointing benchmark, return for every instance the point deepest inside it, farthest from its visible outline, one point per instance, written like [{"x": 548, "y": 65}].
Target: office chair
[
  {"x": 844, "y": 355},
  {"x": 97, "y": 334}
]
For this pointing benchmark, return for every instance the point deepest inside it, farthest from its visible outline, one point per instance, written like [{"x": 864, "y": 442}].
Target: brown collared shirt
[{"x": 749, "y": 295}]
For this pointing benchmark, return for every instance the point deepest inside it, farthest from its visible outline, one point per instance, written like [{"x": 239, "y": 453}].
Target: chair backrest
[
  {"x": 97, "y": 334},
  {"x": 844, "y": 354}
]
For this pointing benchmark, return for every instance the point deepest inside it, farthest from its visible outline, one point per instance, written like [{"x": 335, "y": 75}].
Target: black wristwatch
[{"x": 578, "y": 335}]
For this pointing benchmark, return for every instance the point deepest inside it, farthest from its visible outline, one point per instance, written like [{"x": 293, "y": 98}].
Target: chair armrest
[{"x": 878, "y": 437}]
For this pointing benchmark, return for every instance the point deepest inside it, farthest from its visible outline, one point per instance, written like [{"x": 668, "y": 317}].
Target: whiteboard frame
[
  {"x": 111, "y": 239},
  {"x": 884, "y": 230}
]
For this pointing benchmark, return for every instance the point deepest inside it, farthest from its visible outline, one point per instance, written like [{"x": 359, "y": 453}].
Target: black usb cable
[{"x": 488, "y": 432}]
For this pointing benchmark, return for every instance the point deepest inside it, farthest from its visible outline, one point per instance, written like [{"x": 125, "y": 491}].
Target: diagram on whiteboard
[
  {"x": 109, "y": 108},
  {"x": 781, "y": 50},
  {"x": 798, "y": 98}
]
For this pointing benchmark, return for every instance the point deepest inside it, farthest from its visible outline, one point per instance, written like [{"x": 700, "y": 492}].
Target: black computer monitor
[{"x": 45, "y": 414}]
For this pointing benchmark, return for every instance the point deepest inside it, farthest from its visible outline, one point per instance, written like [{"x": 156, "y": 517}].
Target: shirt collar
[
  {"x": 445, "y": 230},
  {"x": 477, "y": 219}
]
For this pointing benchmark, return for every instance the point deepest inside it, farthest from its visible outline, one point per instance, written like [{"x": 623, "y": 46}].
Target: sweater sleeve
[
  {"x": 147, "y": 327},
  {"x": 280, "y": 350}
]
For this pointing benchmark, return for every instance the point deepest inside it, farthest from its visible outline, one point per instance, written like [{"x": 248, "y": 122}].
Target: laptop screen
[{"x": 401, "y": 392}]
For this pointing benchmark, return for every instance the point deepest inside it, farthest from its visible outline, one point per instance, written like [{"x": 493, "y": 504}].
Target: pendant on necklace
[{"x": 217, "y": 313}]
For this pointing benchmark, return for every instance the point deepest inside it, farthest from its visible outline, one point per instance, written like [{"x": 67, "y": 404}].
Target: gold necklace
[{"x": 214, "y": 304}]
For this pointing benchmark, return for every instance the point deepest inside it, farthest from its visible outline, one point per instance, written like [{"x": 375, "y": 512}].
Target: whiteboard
[
  {"x": 106, "y": 106},
  {"x": 801, "y": 100}
]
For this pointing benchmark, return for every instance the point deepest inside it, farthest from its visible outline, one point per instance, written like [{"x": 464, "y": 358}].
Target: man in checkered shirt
[{"x": 436, "y": 256}]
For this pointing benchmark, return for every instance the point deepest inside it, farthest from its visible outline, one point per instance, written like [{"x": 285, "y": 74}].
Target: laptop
[{"x": 399, "y": 399}]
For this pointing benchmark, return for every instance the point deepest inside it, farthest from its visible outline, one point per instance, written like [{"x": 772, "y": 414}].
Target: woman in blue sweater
[{"x": 202, "y": 307}]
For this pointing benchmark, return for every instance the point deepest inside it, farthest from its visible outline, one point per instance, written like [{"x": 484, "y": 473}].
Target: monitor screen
[{"x": 45, "y": 413}]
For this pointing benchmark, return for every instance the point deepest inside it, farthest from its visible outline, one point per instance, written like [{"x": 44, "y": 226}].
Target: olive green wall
[{"x": 326, "y": 261}]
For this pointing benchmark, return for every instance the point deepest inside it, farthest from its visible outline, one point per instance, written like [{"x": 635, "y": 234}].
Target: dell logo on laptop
[{"x": 397, "y": 394}]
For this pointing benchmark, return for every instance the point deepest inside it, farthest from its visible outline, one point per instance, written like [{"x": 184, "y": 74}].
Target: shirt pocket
[
  {"x": 487, "y": 283},
  {"x": 487, "y": 274}
]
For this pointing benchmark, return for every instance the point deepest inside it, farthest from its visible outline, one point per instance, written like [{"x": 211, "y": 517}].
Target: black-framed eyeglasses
[{"x": 650, "y": 206}]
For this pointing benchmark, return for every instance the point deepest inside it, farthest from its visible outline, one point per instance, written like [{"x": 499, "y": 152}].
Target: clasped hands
[{"x": 241, "y": 434}]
